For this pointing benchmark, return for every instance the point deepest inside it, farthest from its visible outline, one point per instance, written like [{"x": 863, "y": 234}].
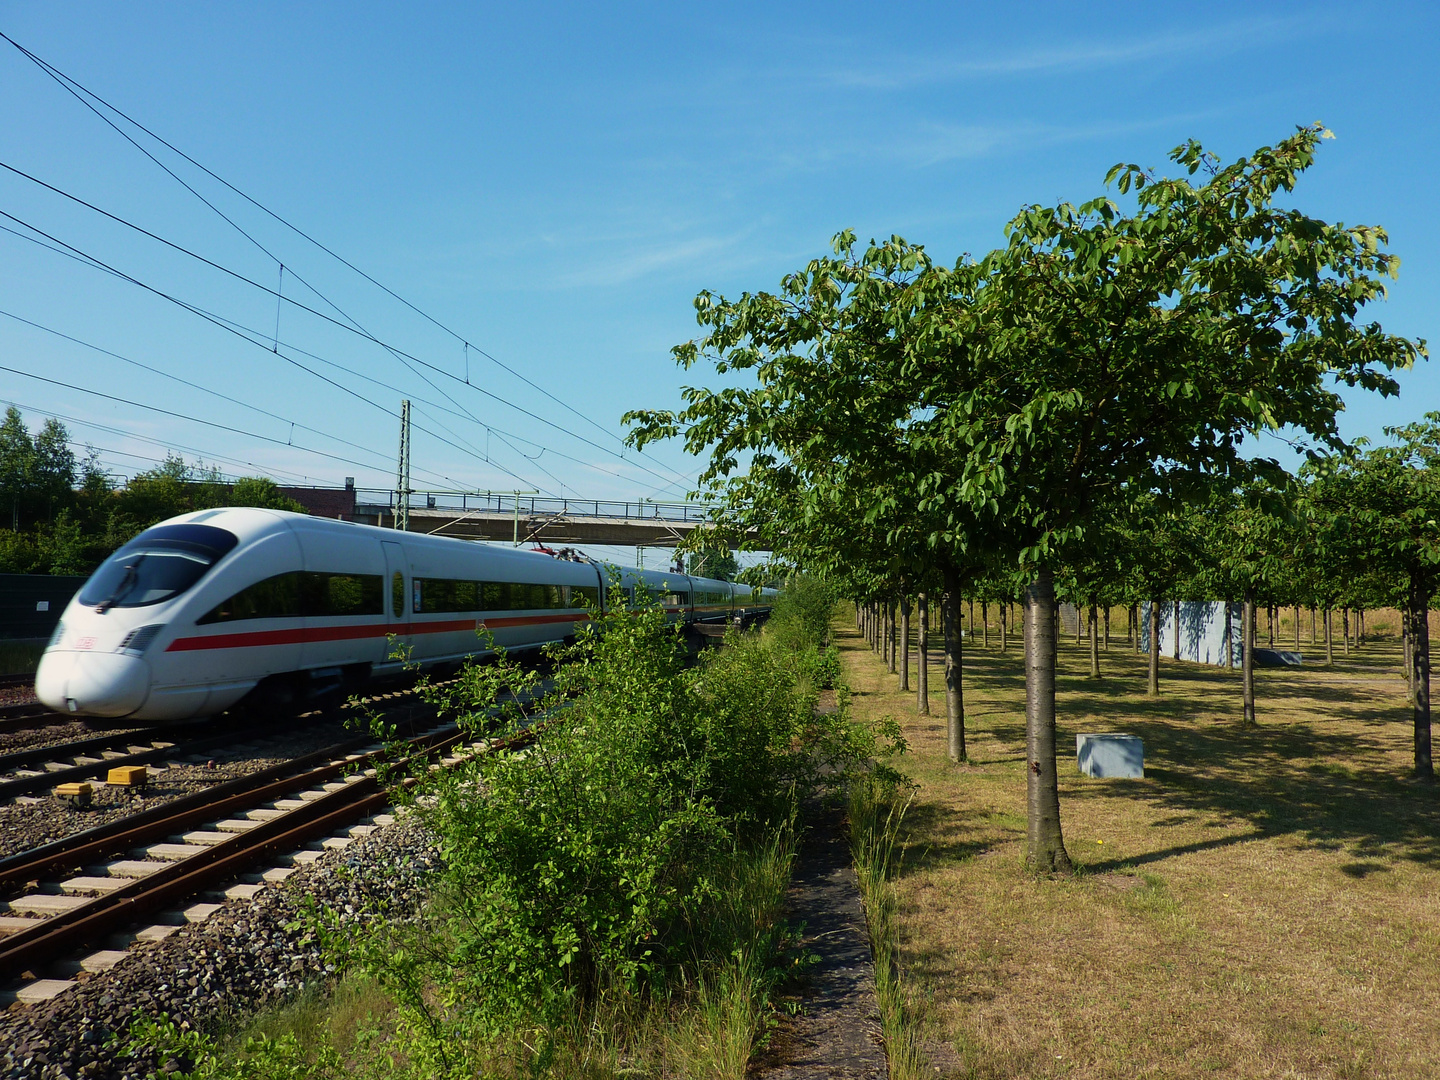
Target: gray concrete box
[{"x": 1110, "y": 754}]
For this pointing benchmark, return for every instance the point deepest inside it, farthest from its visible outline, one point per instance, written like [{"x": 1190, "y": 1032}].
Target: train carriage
[{"x": 200, "y": 611}]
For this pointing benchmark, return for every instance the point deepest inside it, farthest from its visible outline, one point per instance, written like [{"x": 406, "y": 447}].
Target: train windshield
[{"x": 158, "y": 564}]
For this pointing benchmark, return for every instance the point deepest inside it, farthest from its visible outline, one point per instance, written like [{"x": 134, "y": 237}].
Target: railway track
[
  {"x": 24, "y": 714},
  {"x": 96, "y": 884},
  {"x": 85, "y": 889},
  {"x": 34, "y": 769}
]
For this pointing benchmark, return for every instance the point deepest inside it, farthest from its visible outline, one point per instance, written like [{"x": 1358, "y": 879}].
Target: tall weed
[{"x": 877, "y": 815}]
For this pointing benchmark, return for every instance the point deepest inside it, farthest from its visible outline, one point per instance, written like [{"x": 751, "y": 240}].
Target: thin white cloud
[
  {"x": 643, "y": 260},
  {"x": 900, "y": 72}
]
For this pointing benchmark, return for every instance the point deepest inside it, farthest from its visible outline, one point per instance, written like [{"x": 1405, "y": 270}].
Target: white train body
[{"x": 199, "y": 611}]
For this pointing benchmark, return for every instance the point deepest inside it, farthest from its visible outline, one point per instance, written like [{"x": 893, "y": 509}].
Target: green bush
[
  {"x": 612, "y": 890},
  {"x": 589, "y": 861}
]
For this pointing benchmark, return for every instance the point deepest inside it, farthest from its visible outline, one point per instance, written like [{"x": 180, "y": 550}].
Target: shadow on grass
[{"x": 1321, "y": 773}]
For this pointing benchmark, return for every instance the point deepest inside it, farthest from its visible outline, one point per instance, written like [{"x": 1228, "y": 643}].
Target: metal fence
[
  {"x": 507, "y": 504},
  {"x": 30, "y": 604}
]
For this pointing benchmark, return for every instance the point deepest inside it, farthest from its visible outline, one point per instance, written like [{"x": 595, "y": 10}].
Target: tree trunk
[
  {"x": 905, "y": 643},
  {"x": 1407, "y": 651},
  {"x": 1107, "y": 627},
  {"x": 1154, "y": 648},
  {"x": 1329, "y": 638},
  {"x": 1079, "y": 625},
  {"x": 1270, "y": 623},
  {"x": 1229, "y": 639},
  {"x": 1359, "y": 628},
  {"x": 1247, "y": 659},
  {"x": 922, "y": 677},
  {"x": 1345, "y": 628},
  {"x": 1004, "y": 625},
  {"x": 954, "y": 654},
  {"x": 1297, "y": 627},
  {"x": 1045, "y": 841},
  {"x": 890, "y": 635},
  {"x": 985, "y": 618},
  {"x": 1133, "y": 615},
  {"x": 1094, "y": 643},
  {"x": 1177, "y": 630},
  {"x": 972, "y": 617},
  {"x": 1420, "y": 634},
  {"x": 1313, "y": 638}
]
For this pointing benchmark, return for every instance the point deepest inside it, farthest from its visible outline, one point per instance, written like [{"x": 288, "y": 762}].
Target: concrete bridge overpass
[{"x": 523, "y": 519}]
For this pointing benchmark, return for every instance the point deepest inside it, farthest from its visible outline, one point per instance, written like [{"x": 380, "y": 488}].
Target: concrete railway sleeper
[
  {"x": 28, "y": 715},
  {"x": 188, "y": 862},
  {"x": 40, "y": 768}
]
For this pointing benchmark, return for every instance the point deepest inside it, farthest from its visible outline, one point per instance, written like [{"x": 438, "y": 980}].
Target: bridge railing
[{"x": 535, "y": 506}]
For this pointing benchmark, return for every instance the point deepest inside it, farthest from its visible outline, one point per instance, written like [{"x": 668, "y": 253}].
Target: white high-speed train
[{"x": 203, "y": 610}]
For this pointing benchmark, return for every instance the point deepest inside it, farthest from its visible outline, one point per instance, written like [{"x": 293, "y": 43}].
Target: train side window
[
  {"x": 435, "y": 596},
  {"x": 345, "y": 594},
  {"x": 299, "y": 593},
  {"x": 397, "y": 595}
]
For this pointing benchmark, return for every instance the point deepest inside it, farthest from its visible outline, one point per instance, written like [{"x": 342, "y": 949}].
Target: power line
[
  {"x": 81, "y": 93},
  {"x": 254, "y": 337},
  {"x": 349, "y": 325},
  {"x": 225, "y": 324},
  {"x": 169, "y": 446},
  {"x": 182, "y": 416},
  {"x": 186, "y": 382}
]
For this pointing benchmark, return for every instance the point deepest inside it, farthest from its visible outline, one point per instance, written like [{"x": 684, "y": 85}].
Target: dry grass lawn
[{"x": 1261, "y": 904}]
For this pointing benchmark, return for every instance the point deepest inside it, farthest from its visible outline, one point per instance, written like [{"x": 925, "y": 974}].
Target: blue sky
[{"x": 555, "y": 183}]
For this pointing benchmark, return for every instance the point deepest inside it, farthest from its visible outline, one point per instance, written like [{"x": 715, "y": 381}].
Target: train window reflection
[
  {"x": 435, "y": 596},
  {"x": 160, "y": 563},
  {"x": 303, "y": 593}
]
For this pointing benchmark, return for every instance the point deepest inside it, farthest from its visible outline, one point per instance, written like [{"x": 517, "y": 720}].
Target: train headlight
[{"x": 139, "y": 639}]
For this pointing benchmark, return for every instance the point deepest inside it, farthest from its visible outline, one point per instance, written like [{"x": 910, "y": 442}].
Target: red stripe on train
[{"x": 301, "y": 635}]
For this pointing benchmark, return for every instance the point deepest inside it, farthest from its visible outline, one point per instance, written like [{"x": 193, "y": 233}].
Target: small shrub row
[{"x": 612, "y": 891}]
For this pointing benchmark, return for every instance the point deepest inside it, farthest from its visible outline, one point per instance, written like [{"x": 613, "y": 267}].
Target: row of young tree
[
  {"x": 1353, "y": 532},
  {"x": 61, "y": 514},
  {"x": 1049, "y": 415}
]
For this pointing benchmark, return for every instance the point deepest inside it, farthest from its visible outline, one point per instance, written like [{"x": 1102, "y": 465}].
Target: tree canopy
[{"x": 903, "y": 415}]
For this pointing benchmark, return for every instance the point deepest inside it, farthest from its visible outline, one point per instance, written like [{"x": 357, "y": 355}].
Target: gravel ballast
[
  {"x": 28, "y": 824},
  {"x": 242, "y": 958}
]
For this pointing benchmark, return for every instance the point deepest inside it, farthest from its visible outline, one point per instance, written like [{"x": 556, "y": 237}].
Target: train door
[{"x": 397, "y": 598}]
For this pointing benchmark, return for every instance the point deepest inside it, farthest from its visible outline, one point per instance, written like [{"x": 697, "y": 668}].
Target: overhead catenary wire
[
  {"x": 87, "y": 97},
  {"x": 349, "y": 324},
  {"x": 100, "y": 264},
  {"x": 186, "y": 382},
  {"x": 170, "y": 446},
  {"x": 61, "y": 247},
  {"x": 181, "y": 416}
]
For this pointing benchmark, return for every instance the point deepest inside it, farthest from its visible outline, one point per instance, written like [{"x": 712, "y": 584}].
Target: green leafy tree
[
  {"x": 714, "y": 562},
  {"x": 1111, "y": 354},
  {"x": 1250, "y": 532},
  {"x": 263, "y": 492},
  {"x": 17, "y": 464},
  {"x": 1003, "y": 408},
  {"x": 1383, "y": 504}
]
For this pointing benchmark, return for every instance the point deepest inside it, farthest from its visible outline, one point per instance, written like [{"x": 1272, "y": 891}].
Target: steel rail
[
  {"x": 220, "y": 862},
  {"x": 115, "y": 837},
  {"x": 23, "y": 716},
  {"x": 36, "y": 755}
]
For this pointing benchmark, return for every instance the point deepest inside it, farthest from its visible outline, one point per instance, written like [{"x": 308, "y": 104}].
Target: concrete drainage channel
[{"x": 179, "y": 862}]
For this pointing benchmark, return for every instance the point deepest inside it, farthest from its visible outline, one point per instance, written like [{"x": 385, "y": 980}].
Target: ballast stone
[{"x": 1110, "y": 754}]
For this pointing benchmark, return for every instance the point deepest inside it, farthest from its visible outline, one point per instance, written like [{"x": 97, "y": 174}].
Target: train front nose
[{"x": 92, "y": 684}]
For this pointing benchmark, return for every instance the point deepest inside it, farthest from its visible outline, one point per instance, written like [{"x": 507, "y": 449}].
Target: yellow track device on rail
[{"x": 128, "y": 776}]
